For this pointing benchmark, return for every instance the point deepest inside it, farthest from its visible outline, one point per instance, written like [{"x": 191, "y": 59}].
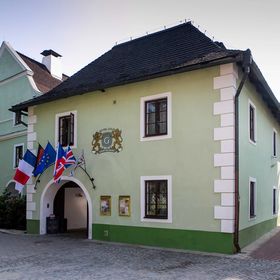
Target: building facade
[
  {"x": 159, "y": 129},
  {"x": 21, "y": 78}
]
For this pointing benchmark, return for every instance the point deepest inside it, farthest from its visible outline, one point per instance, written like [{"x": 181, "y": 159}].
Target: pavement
[{"x": 24, "y": 256}]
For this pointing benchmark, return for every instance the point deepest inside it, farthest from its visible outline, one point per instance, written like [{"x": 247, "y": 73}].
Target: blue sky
[{"x": 81, "y": 30}]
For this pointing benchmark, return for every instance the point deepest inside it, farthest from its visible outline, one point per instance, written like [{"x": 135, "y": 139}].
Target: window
[
  {"x": 274, "y": 143},
  {"x": 252, "y": 122},
  {"x": 17, "y": 118},
  {"x": 274, "y": 201},
  {"x": 18, "y": 154},
  {"x": 252, "y": 198},
  {"x": 156, "y": 200},
  {"x": 155, "y": 117},
  {"x": 66, "y": 126}
]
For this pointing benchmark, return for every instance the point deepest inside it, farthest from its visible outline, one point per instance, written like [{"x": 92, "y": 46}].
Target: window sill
[
  {"x": 252, "y": 218},
  {"x": 153, "y": 138},
  {"x": 149, "y": 220},
  {"x": 253, "y": 142}
]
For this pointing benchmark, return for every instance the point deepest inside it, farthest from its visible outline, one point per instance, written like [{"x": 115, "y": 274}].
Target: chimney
[{"x": 52, "y": 61}]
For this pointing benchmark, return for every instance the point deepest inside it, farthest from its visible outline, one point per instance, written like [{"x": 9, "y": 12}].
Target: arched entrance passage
[{"x": 48, "y": 198}]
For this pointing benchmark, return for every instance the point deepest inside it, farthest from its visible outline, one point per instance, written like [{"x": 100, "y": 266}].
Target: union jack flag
[
  {"x": 59, "y": 165},
  {"x": 70, "y": 159}
]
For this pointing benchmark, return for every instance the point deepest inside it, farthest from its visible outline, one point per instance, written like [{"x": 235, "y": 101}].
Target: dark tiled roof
[
  {"x": 174, "y": 50},
  {"x": 42, "y": 77},
  {"x": 153, "y": 55}
]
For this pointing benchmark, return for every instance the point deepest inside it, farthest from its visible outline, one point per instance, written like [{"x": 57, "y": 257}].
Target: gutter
[{"x": 246, "y": 65}]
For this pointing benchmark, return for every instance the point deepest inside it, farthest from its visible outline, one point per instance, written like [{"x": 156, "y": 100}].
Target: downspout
[{"x": 246, "y": 65}]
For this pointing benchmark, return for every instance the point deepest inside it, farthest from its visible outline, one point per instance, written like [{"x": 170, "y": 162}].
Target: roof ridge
[{"x": 154, "y": 33}]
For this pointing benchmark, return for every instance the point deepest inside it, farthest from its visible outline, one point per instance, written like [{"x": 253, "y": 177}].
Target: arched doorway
[
  {"x": 70, "y": 208},
  {"x": 70, "y": 201}
]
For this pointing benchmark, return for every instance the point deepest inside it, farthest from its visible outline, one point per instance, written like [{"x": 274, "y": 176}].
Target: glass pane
[
  {"x": 162, "y": 116},
  {"x": 150, "y": 107},
  {"x": 151, "y": 118},
  {"x": 163, "y": 105},
  {"x": 162, "y": 128},
  {"x": 151, "y": 129}
]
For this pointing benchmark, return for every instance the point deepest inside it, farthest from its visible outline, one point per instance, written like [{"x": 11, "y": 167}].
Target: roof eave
[{"x": 190, "y": 66}]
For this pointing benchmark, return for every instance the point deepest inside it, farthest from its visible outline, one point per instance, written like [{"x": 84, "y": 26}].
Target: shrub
[{"x": 12, "y": 211}]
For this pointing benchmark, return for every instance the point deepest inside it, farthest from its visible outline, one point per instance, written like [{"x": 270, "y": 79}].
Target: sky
[{"x": 82, "y": 30}]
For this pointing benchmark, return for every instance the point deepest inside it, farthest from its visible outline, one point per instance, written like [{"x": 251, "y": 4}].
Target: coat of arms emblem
[{"x": 107, "y": 140}]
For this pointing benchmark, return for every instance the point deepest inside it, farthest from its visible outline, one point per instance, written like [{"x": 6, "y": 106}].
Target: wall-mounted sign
[{"x": 107, "y": 140}]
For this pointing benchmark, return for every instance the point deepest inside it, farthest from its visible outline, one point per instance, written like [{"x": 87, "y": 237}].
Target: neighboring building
[
  {"x": 21, "y": 78},
  {"x": 186, "y": 151}
]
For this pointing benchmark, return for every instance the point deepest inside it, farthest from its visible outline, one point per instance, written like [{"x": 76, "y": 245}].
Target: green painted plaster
[
  {"x": 8, "y": 66},
  {"x": 250, "y": 234},
  {"x": 187, "y": 156},
  {"x": 168, "y": 238},
  {"x": 33, "y": 226},
  {"x": 12, "y": 91},
  {"x": 256, "y": 160}
]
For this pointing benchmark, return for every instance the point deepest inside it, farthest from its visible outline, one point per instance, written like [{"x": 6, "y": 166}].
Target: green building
[
  {"x": 21, "y": 78},
  {"x": 181, "y": 137}
]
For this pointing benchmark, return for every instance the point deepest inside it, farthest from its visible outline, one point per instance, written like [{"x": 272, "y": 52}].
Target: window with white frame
[
  {"x": 17, "y": 118},
  {"x": 66, "y": 129},
  {"x": 274, "y": 143},
  {"x": 274, "y": 201},
  {"x": 155, "y": 117},
  {"x": 252, "y": 198},
  {"x": 156, "y": 199},
  {"x": 252, "y": 122},
  {"x": 18, "y": 154}
]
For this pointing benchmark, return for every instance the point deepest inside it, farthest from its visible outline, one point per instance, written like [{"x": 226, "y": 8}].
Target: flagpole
[{"x": 90, "y": 178}]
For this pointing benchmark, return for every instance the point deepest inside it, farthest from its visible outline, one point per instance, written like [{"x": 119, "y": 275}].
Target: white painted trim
[
  {"x": 15, "y": 55},
  {"x": 225, "y": 81},
  {"x": 14, "y": 156},
  {"x": 250, "y": 103},
  {"x": 251, "y": 179},
  {"x": 169, "y": 198},
  {"x": 7, "y": 120},
  {"x": 223, "y": 107},
  {"x": 169, "y": 116},
  {"x": 227, "y": 226},
  {"x": 274, "y": 131},
  {"x": 57, "y": 116},
  {"x": 224, "y": 133},
  {"x": 13, "y": 135},
  {"x": 25, "y": 68},
  {"x": 42, "y": 203}
]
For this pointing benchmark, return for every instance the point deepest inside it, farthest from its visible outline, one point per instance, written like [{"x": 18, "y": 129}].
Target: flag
[
  {"x": 59, "y": 165},
  {"x": 79, "y": 162},
  {"x": 47, "y": 159},
  {"x": 40, "y": 153},
  {"x": 24, "y": 170},
  {"x": 70, "y": 159}
]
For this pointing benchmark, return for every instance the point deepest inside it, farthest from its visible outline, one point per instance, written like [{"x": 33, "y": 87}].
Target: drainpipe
[{"x": 247, "y": 60}]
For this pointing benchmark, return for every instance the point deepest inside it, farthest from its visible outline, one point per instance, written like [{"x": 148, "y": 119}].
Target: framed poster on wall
[
  {"x": 124, "y": 205},
  {"x": 105, "y": 205}
]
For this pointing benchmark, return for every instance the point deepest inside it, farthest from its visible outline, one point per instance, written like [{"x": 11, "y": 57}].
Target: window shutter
[
  {"x": 60, "y": 130},
  {"x": 72, "y": 117}
]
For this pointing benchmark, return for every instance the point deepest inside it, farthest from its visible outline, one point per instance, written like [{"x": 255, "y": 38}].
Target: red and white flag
[{"x": 24, "y": 170}]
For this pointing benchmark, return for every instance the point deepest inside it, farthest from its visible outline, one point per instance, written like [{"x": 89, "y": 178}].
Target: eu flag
[{"x": 47, "y": 159}]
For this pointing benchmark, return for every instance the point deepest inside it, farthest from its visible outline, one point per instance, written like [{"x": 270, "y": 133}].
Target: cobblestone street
[{"x": 61, "y": 257}]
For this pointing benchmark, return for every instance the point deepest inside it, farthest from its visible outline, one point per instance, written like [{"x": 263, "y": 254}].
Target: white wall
[{"x": 75, "y": 208}]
